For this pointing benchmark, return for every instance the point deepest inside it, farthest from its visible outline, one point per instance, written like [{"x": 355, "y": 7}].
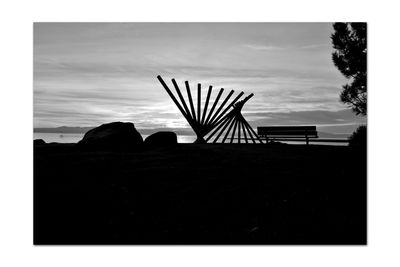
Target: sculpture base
[{"x": 200, "y": 140}]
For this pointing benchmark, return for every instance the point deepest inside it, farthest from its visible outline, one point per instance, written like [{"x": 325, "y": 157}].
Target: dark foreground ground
[{"x": 200, "y": 194}]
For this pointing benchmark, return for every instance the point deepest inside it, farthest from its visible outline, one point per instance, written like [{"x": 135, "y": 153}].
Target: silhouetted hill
[{"x": 63, "y": 129}]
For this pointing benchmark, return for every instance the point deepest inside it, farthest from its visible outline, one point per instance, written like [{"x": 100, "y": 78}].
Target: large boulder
[
  {"x": 114, "y": 135},
  {"x": 38, "y": 142},
  {"x": 161, "y": 139}
]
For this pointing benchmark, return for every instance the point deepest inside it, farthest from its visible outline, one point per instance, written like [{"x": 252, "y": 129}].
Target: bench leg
[{"x": 307, "y": 140}]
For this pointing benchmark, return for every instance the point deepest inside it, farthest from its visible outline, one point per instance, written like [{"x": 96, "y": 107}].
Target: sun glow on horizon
[{"x": 87, "y": 74}]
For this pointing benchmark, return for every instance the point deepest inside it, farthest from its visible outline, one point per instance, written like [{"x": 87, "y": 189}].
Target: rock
[
  {"x": 38, "y": 142},
  {"x": 114, "y": 135},
  {"x": 161, "y": 139}
]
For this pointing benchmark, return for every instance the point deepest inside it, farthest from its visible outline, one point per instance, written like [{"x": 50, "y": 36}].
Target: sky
[{"x": 87, "y": 74}]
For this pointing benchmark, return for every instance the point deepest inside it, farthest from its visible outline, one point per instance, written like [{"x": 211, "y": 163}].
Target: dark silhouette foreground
[{"x": 200, "y": 194}]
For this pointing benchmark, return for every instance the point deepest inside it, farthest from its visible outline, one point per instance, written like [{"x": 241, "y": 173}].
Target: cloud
[
  {"x": 315, "y": 46},
  {"x": 259, "y": 47},
  {"x": 88, "y": 74}
]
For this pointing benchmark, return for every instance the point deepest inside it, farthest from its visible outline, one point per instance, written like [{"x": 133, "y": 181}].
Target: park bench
[{"x": 282, "y": 133}]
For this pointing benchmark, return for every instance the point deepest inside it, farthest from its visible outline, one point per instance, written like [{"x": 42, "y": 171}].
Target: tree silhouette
[
  {"x": 359, "y": 136},
  {"x": 350, "y": 57}
]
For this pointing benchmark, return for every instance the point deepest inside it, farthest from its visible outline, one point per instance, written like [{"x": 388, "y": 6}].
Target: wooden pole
[
  {"x": 188, "y": 119},
  {"x": 239, "y": 132},
  {"x": 233, "y": 132},
  {"x": 251, "y": 129},
  {"x": 220, "y": 107},
  {"x": 198, "y": 103},
  {"x": 182, "y": 99},
  {"x": 206, "y": 105},
  {"x": 172, "y": 96},
  {"x": 226, "y": 121},
  {"x": 248, "y": 131},
  {"x": 229, "y": 129},
  {"x": 213, "y": 106},
  {"x": 244, "y": 132},
  {"x": 226, "y": 109},
  {"x": 190, "y": 100}
]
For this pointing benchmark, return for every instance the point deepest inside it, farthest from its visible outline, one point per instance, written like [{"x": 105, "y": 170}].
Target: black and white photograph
[
  {"x": 207, "y": 133},
  {"x": 199, "y": 133}
]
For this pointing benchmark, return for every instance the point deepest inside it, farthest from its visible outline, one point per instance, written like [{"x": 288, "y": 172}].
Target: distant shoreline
[
  {"x": 78, "y": 130},
  {"x": 184, "y": 131}
]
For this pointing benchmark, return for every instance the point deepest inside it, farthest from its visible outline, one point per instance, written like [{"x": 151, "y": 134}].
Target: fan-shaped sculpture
[{"x": 218, "y": 123}]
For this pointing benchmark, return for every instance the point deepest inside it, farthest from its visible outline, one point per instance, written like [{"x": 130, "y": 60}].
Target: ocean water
[{"x": 75, "y": 137}]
